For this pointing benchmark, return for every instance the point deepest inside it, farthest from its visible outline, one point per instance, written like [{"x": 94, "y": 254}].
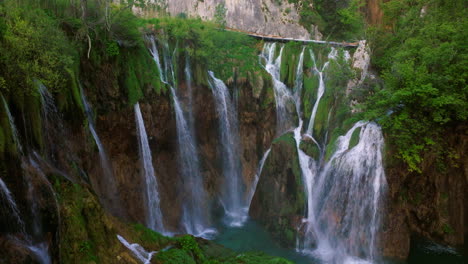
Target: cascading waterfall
[
  {"x": 106, "y": 185},
  {"x": 283, "y": 98},
  {"x": 195, "y": 217},
  {"x": 154, "y": 218},
  {"x": 345, "y": 198},
  {"x": 344, "y": 195},
  {"x": 232, "y": 195},
  {"x": 321, "y": 89}
]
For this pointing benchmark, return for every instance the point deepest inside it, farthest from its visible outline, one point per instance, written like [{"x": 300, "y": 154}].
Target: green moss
[
  {"x": 147, "y": 235},
  {"x": 287, "y": 138},
  {"x": 447, "y": 229},
  {"x": 354, "y": 138},
  {"x": 175, "y": 256}
]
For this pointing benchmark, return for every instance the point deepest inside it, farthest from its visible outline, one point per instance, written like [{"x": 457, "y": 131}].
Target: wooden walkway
[{"x": 281, "y": 39}]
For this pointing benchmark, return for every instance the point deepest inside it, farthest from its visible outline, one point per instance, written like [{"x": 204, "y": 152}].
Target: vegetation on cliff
[{"x": 421, "y": 53}]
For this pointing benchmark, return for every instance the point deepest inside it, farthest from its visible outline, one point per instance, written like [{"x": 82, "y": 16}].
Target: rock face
[
  {"x": 430, "y": 205},
  {"x": 266, "y": 17},
  {"x": 279, "y": 201}
]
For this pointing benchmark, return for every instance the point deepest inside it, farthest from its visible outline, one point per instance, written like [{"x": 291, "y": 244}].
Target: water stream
[
  {"x": 106, "y": 185},
  {"x": 232, "y": 196},
  {"x": 154, "y": 218}
]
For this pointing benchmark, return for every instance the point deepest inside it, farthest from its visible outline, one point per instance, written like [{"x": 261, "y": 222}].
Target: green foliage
[
  {"x": 33, "y": 47},
  {"x": 220, "y": 15},
  {"x": 354, "y": 138},
  {"x": 223, "y": 52},
  {"x": 174, "y": 256},
  {"x": 112, "y": 49},
  {"x": 447, "y": 229},
  {"x": 340, "y": 19},
  {"x": 423, "y": 61},
  {"x": 149, "y": 236}
]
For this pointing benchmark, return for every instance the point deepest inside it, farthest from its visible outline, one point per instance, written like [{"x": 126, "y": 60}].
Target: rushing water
[
  {"x": 194, "y": 209},
  {"x": 14, "y": 132},
  {"x": 232, "y": 196},
  {"x": 106, "y": 185},
  {"x": 195, "y": 217},
  {"x": 344, "y": 199},
  {"x": 154, "y": 218},
  {"x": 283, "y": 98},
  {"x": 138, "y": 251},
  {"x": 257, "y": 178},
  {"x": 344, "y": 194},
  {"x": 12, "y": 207},
  {"x": 321, "y": 89}
]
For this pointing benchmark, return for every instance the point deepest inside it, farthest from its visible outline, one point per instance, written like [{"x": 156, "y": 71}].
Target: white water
[
  {"x": 195, "y": 217},
  {"x": 284, "y": 100},
  {"x": 40, "y": 250},
  {"x": 5, "y": 192},
  {"x": 194, "y": 210},
  {"x": 14, "y": 132},
  {"x": 106, "y": 185},
  {"x": 253, "y": 187},
  {"x": 233, "y": 187},
  {"x": 344, "y": 198},
  {"x": 344, "y": 195},
  {"x": 154, "y": 218},
  {"x": 321, "y": 89},
  {"x": 298, "y": 83},
  {"x": 138, "y": 251}
]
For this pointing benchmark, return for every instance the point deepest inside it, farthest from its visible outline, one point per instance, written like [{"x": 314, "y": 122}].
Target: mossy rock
[
  {"x": 354, "y": 138},
  {"x": 310, "y": 148},
  {"x": 280, "y": 197}
]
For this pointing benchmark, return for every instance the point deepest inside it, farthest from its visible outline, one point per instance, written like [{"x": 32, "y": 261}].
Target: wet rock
[{"x": 280, "y": 200}]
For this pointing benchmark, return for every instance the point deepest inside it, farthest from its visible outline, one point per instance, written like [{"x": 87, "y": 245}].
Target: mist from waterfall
[
  {"x": 232, "y": 196},
  {"x": 106, "y": 185},
  {"x": 154, "y": 217}
]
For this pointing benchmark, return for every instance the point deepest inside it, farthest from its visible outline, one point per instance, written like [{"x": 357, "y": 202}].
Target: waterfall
[
  {"x": 344, "y": 195},
  {"x": 283, "y": 97},
  {"x": 194, "y": 218},
  {"x": 344, "y": 198},
  {"x": 154, "y": 218},
  {"x": 298, "y": 83},
  {"x": 321, "y": 89},
  {"x": 40, "y": 250},
  {"x": 253, "y": 187},
  {"x": 232, "y": 195},
  {"x": 106, "y": 184},
  {"x": 138, "y": 251},
  {"x": 6, "y": 194},
  {"x": 14, "y": 132}
]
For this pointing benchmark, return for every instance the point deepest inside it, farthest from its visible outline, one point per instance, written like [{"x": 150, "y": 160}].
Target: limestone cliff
[{"x": 260, "y": 16}]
